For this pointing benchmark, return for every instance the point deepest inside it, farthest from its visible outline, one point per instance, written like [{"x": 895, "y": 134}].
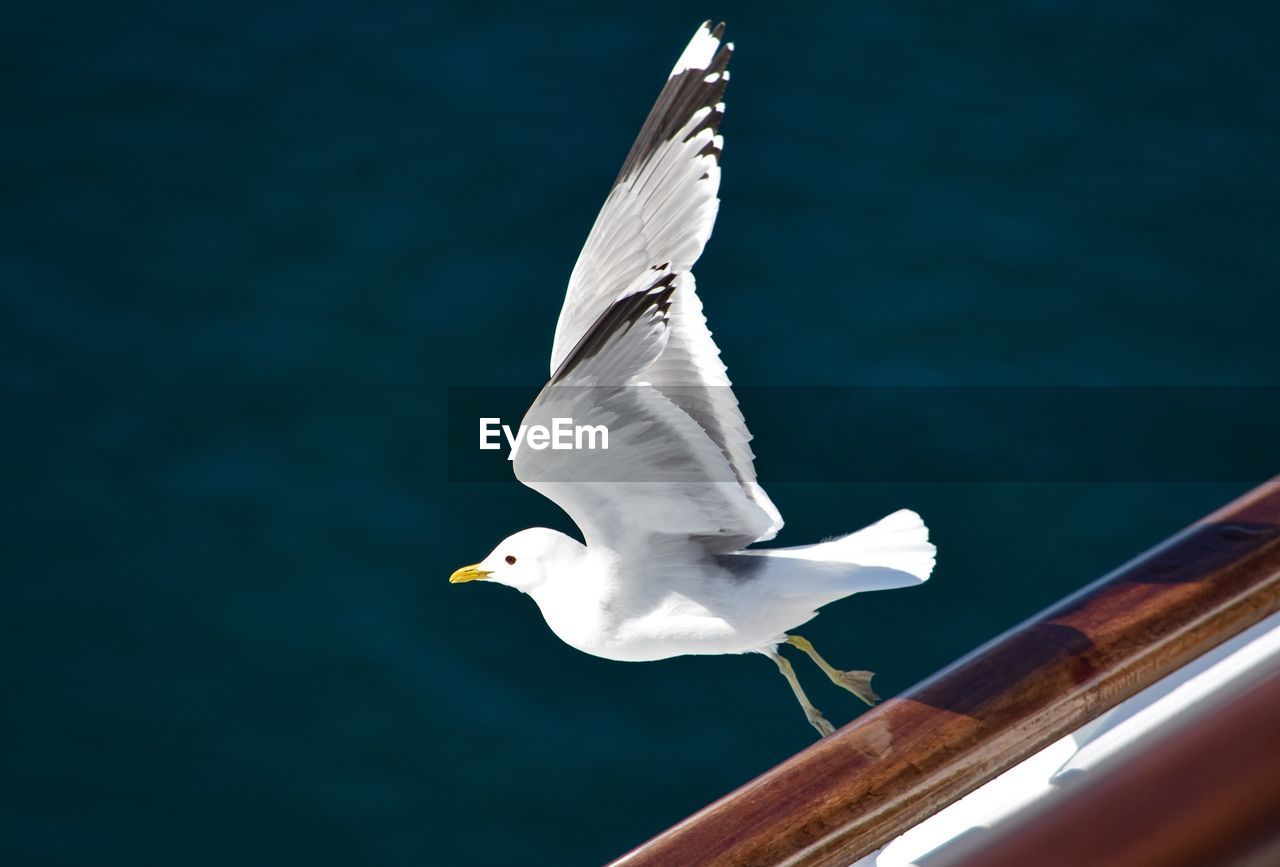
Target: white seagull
[{"x": 669, "y": 507}]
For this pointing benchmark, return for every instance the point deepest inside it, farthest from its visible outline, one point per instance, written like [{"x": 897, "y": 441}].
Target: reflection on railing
[{"x": 1205, "y": 793}]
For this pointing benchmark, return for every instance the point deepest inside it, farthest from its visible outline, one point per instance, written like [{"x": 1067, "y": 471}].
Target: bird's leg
[
  {"x": 816, "y": 719},
  {"x": 857, "y": 682}
]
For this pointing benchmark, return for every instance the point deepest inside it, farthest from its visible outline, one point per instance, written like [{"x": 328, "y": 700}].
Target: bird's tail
[{"x": 893, "y": 552}]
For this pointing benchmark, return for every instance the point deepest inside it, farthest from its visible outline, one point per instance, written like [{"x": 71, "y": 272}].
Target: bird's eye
[{"x": 511, "y": 561}]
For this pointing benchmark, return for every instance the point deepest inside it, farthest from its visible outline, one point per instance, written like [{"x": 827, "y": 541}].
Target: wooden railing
[{"x": 904, "y": 760}]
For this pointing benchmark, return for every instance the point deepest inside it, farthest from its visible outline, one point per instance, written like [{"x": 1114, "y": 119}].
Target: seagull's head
[{"x": 525, "y": 560}]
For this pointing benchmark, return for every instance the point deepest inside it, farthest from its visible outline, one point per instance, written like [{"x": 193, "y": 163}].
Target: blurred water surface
[{"x": 245, "y": 249}]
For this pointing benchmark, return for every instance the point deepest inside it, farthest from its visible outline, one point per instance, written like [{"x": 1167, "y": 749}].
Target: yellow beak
[{"x": 468, "y": 573}]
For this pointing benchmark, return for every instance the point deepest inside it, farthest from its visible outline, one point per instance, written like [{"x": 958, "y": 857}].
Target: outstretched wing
[
  {"x": 663, "y": 204},
  {"x": 662, "y": 209},
  {"x": 660, "y": 475}
]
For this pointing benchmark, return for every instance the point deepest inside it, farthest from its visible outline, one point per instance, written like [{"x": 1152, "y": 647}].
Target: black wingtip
[
  {"x": 686, "y": 92},
  {"x": 620, "y": 317}
]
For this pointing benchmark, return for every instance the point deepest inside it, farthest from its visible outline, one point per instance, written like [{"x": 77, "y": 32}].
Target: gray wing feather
[{"x": 661, "y": 475}]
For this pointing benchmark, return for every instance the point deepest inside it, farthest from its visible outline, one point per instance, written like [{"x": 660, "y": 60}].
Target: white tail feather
[
  {"x": 898, "y": 541},
  {"x": 894, "y": 552}
]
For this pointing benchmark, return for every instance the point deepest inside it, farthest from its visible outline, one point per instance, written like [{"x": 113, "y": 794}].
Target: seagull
[{"x": 667, "y": 511}]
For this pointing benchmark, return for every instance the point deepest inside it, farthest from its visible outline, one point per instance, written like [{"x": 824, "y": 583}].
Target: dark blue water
[{"x": 244, "y": 251}]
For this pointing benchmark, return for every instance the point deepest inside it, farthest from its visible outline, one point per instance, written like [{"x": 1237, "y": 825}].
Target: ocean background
[{"x": 246, "y": 249}]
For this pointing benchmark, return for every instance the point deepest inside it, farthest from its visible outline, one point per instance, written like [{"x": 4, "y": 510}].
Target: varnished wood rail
[{"x": 904, "y": 760}]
